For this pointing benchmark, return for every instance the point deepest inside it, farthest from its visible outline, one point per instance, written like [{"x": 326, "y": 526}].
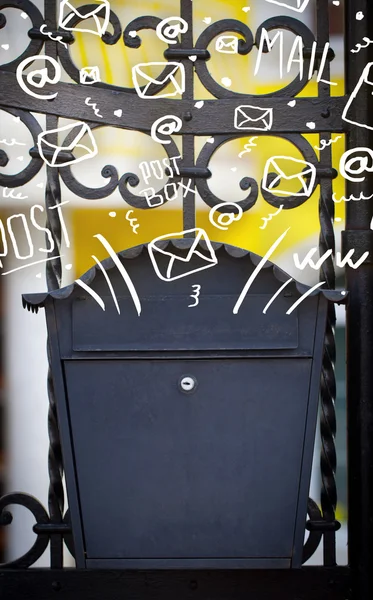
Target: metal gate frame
[{"x": 329, "y": 582}]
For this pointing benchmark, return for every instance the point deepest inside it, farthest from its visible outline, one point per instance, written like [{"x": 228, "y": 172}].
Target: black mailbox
[{"x": 187, "y": 431}]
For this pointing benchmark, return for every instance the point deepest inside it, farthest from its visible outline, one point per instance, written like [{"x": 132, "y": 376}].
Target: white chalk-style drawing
[
  {"x": 360, "y": 16},
  {"x": 324, "y": 144},
  {"x": 94, "y": 106},
  {"x": 207, "y": 20},
  {"x": 80, "y": 129},
  {"x": 37, "y": 262},
  {"x": 159, "y": 169},
  {"x": 23, "y": 223},
  {"x": 152, "y": 198},
  {"x": 253, "y": 117},
  {"x": 132, "y": 221},
  {"x": 11, "y": 194},
  {"x": 141, "y": 77},
  {"x": 281, "y": 165},
  {"x": 297, "y": 5},
  {"x": 42, "y": 73},
  {"x": 225, "y": 219},
  {"x": 305, "y": 295},
  {"x": 175, "y": 262},
  {"x": 347, "y": 165},
  {"x": 227, "y": 44},
  {"x": 92, "y": 293},
  {"x": 166, "y": 125},
  {"x": 12, "y": 142},
  {"x": 89, "y": 75},
  {"x": 257, "y": 270},
  {"x": 339, "y": 261},
  {"x": 352, "y": 197},
  {"x": 276, "y": 295},
  {"x": 187, "y": 187},
  {"x": 122, "y": 270},
  {"x": 169, "y": 29},
  {"x": 110, "y": 285},
  {"x": 58, "y": 38},
  {"x": 99, "y": 11},
  {"x": 364, "y": 88},
  {"x": 195, "y": 296},
  {"x": 270, "y": 217},
  {"x": 362, "y": 46},
  {"x": 62, "y": 221},
  {"x": 296, "y": 56},
  {"x": 248, "y": 147}
]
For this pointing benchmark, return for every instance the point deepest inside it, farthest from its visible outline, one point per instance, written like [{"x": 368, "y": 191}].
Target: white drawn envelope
[
  {"x": 68, "y": 12},
  {"x": 170, "y": 271},
  {"x": 281, "y": 166},
  {"x": 87, "y": 73},
  {"x": 363, "y": 89},
  {"x": 227, "y": 44},
  {"x": 79, "y": 129},
  {"x": 141, "y": 78},
  {"x": 297, "y": 5},
  {"x": 253, "y": 118}
]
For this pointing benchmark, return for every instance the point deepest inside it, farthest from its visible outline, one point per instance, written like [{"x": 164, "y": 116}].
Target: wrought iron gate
[{"x": 325, "y": 111}]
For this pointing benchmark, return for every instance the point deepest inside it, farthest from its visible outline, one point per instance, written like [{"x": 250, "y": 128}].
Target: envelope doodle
[
  {"x": 89, "y": 75},
  {"x": 78, "y": 130},
  {"x": 68, "y": 14},
  {"x": 227, "y": 44},
  {"x": 176, "y": 266},
  {"x": 253, "y": 117},
  {"x": 297, "y": 5},
  {"x": 141, "y": 77},
  {"x": 283, "y": 167}
]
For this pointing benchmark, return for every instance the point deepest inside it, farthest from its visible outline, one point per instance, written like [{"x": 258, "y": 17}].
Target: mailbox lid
[{"x": 168, "y": 475}]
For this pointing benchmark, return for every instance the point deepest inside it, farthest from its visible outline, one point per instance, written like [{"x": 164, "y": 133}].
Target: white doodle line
[
  {"x": 352, "y": 197},
  {"x": 195, "y": 296},
  {"x": 270, "y": 217},
  {"x": 132, "y": 221},
  {"x": 122, "y": 271},
  {"x": 11, "y": 194},
  {"x": 325, "y": 144},
  {"x": 170, "y": 34},
  {"x": 225, "y": 219},
  {"x": 248, "y": 146},
  {"x": 50, "y": 35},
  {"x": 44, "y": 76},
  {"x": 110, "y": 285},
  {"x": 13, "y": 142},
  {"x": 37, "y": 262},
  {"x": 173, "y": 125},
  {"x": 361, "y": 46},
  {"x": 347, "y": 165},
  {"x": 94, "y": 106}
]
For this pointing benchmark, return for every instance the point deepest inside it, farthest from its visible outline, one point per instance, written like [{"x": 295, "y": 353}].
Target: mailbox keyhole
[{"x": 188, "y": 384}]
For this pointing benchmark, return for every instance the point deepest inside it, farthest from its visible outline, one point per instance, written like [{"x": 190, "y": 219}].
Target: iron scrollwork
[{"x": 55, "y": 527}]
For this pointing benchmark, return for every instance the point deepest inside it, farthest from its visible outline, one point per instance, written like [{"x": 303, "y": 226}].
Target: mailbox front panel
[{"x": 190, "y": 476}]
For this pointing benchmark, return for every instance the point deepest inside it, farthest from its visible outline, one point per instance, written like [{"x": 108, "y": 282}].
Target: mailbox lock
[{"x": 188, "y": 384}]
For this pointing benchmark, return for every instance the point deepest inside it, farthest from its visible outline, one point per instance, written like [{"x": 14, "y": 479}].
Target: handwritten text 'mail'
[{"x": 296, "y": 56}]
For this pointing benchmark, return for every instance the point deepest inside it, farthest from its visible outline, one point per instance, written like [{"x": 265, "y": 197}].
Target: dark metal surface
[
  {"x": 71, "y": 584},
  {"x": 359, "y": 326},
  {"x": 326, "y": 112}
]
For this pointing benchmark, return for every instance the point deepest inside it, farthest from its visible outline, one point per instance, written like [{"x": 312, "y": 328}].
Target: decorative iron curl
[
  {"x": 247, "y": 183},
  {"x": 245, "y": 47},
  {"x": 314, "y": 537},
  {"x": 34, "y": 165},
  {"x": 41, "y": 517},
  {"x": 37, "y": 20}
]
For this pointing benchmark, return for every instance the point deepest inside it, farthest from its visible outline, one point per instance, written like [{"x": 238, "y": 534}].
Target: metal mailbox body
[{"x": 162, "y": 475}]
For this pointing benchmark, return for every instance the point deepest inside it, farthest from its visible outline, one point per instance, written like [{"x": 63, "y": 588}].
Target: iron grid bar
[{"x": 70, "y": 584}]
